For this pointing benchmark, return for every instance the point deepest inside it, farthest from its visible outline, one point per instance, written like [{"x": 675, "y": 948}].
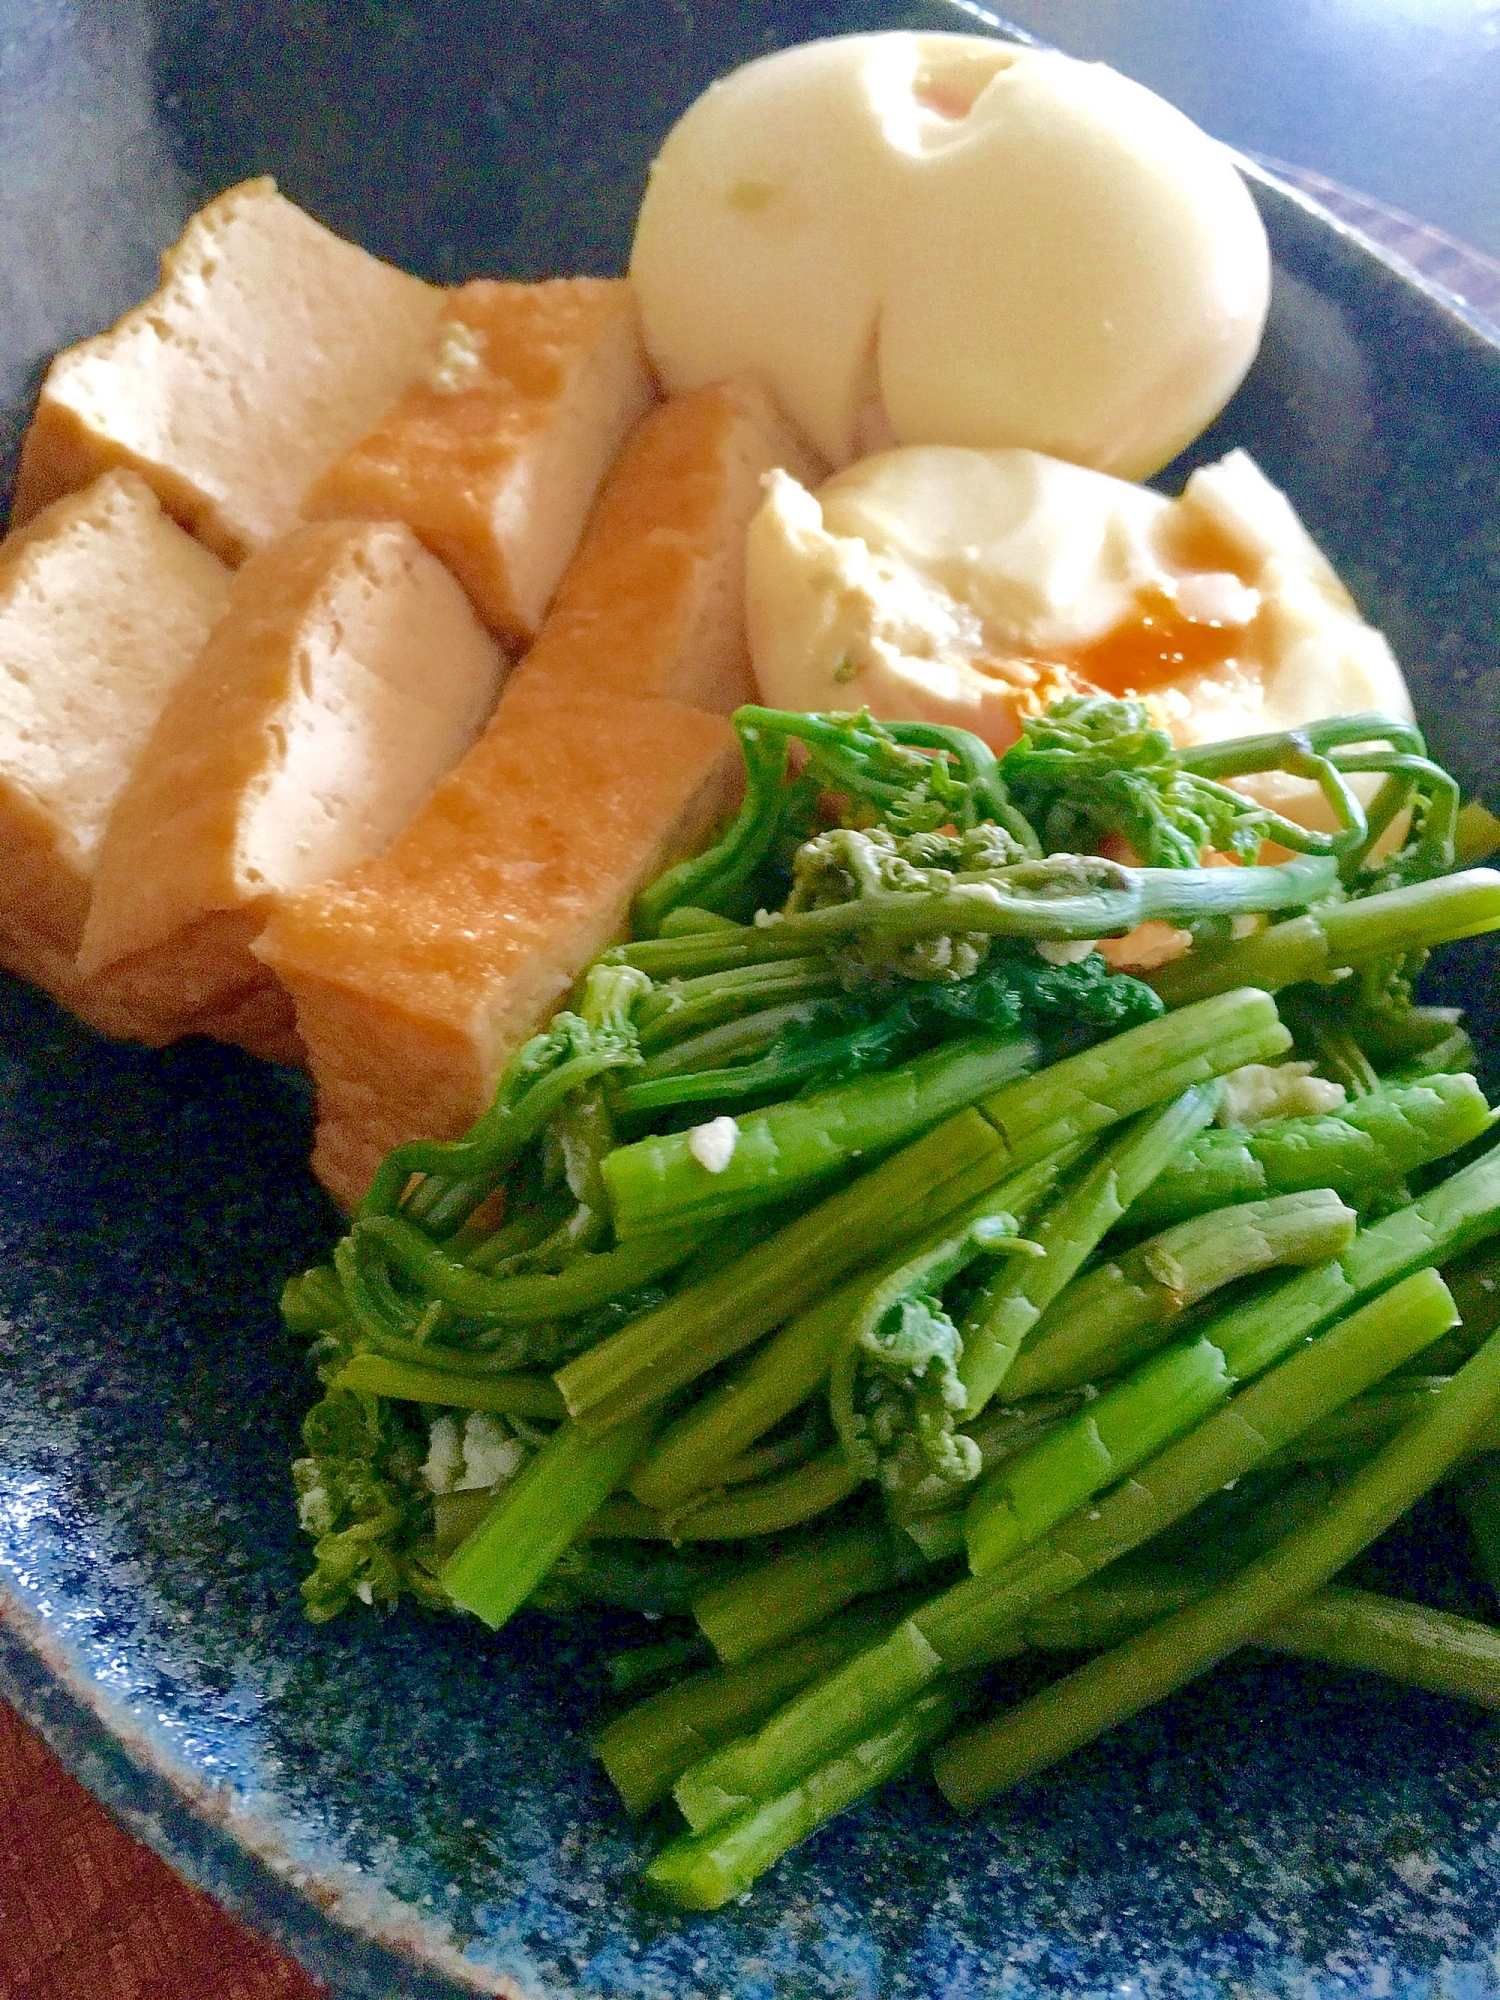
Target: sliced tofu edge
[
  {"x": 612, "y": 394},
  {"x": 652, "y": 603},
  {"x": 104, "y": 605},
  {"x": 300, "y": 744},
  {"x": 118, "y": 398},
  {"x": 407, "y": 1022},
  {"x": 494, "y": 454}
]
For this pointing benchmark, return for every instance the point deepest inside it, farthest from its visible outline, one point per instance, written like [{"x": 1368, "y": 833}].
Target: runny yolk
[{"x": 1154, "y": 649}]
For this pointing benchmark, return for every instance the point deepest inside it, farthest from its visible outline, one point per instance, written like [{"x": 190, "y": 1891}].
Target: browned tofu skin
[
  {"x": 416, "y": 976},
  {"x": 270, "y": 346},
  {"x": 653, "y": 603},
  {"x": 494, "y": 454}
]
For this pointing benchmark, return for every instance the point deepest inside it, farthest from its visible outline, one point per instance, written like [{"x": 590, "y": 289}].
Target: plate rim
[{"x": 357, "y": 1939}]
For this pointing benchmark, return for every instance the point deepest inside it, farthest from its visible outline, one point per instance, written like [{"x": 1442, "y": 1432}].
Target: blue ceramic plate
[{"x": 410, "y": 1804}]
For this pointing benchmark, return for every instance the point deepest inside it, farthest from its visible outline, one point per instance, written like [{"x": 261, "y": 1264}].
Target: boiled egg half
[{"x": 954, "y": 585}]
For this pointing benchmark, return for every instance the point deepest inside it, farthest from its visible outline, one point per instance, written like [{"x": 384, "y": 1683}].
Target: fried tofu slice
[
  {"x": 270, "y": 346},
  {"x": 346, "y": 677},
  {"x": 104, "y": 606},
  {"x": 653, "y": 603},
  {"x": 494, "y": 454},
  {"x": 416, "y": 976}
]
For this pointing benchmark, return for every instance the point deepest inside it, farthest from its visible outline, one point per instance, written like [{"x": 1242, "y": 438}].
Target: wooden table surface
[{"x": 86, "y": 1912}]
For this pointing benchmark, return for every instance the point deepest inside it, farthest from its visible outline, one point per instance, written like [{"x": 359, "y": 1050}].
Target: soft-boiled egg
[
  {"x": 940, "y": 239},
  {"x": 972, "y": 587}
]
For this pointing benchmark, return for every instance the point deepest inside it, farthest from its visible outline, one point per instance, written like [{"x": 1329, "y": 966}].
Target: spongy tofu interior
[
  {"x": 104, "y": 604},
  {"x": 347, "y": 675},
  {"x": 270, "y": 346},
  {"x": 394, "y": 682},
  {"x": 494, "y": 454},
  {"x": 653, "y": 603},
  {"x": 417, "y": 975}
]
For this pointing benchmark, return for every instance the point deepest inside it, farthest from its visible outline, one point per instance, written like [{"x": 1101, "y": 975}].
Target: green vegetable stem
[
  {"x": 660, "y": 1183},
  {"x": 1069, "y": 1229},
  {"x": 518, "y": 1395},
  {"x": 1338, "y": 935},
  {"x": 1063, "y": 897},
  {"x": 590, "y": 1280},
  {"x": 647, "y": 1749},
  {"x": 702, "y": 1871},
  {"x": 1121, "y": 1309},
  {"x": 975, "y": 1621},
  {"x": 690, "y": 1454},
  {"x": 768, "y": 1603},
  {"x": 1340, "y": 1626},
  {"x": 1410, "y": 1643},
  {"x": 711, "y": 1321},
  {"x": 1119, "y": 1683},
  {"x": 1479, "y": 1497},
  {"x": 535, "y": 1517},
  {"x": 1361, "y": 1427},
  {"x": 1373, "y": 1142},
  {"x": 1128, "y": 1423}
]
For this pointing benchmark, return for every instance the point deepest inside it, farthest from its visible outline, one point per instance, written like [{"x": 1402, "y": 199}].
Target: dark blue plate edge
[
  {"x": 163, "y": 1801},
  {"x": 165, "y": 1805},
  {"x": 1461, "y": 320}
]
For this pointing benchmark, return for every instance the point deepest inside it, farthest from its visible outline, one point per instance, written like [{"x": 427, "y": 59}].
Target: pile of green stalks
[{"x": 871, "y": 1284}]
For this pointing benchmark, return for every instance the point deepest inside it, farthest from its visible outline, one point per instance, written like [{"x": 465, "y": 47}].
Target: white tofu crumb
[
  {"x": 1070, "y": 951},
  {"x": 1288, "y": 1090},
  {"x": 315, "y": 1511},
  {"x": 1245, "y": 925},
  {"x": 459, "y": 361},
  {"x": 364, "y": 1593},
  {"x": 492, "y": 1453},
  {"x": 445, "y": 1460},
  {"x": 712, "y": 1145}
]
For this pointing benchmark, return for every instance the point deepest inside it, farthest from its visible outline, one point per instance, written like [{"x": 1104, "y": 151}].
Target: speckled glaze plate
[{"x": 410, "y": 1805}]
